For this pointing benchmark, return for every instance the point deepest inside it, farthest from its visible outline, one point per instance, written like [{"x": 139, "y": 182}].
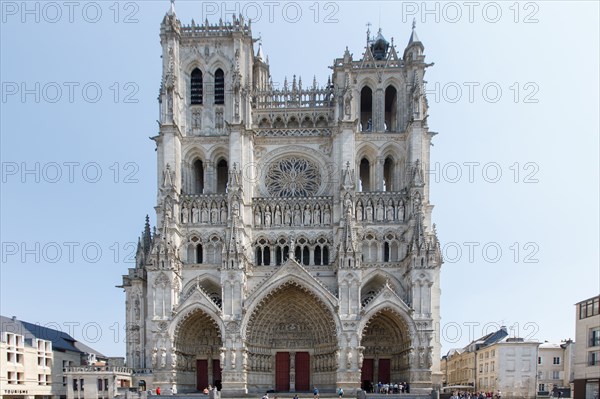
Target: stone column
[{"x": 378, "y": 175}]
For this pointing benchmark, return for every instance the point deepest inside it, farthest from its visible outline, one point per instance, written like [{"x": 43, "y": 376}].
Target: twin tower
[{"x": 294, "y": 245}]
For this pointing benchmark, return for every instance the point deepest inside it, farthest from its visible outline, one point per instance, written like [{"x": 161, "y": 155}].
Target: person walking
[{"x": 340, "y": 392}]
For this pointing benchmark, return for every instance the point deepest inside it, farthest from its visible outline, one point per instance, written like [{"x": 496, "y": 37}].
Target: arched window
[
  {"x": 281, "y": 254},
  {"x": 365, "y": 175},
  {"x": 267, "y": 255},
  {"x": 258, "y": 256},
  {"x": 305, "y": 256},
  {"x": 325, "y": 255},
  {"x": 366, "y": 109},
  {"x": 219, "y": 86},
  {"x": 198, "y": 187},
  {"x": 298, "y": 254},
  {"x": 318, "y": 255},
  {"x": 199, "y": 255},
  {"x": 388, "y": 174},
  {"x": 196, "y": 87},
  {"x": 263, "y": 253},
  {"x": 390, "y": 109},
  {"x": 386, "y": 252},
  {"x": 222, "y": 172}
]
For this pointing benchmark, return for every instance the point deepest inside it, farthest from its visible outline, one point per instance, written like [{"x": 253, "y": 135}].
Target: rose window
[{"x": 293, "y": 177}]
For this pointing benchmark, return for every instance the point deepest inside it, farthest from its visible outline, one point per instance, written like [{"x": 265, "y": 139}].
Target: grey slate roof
[{"x": 60, "y": 340}]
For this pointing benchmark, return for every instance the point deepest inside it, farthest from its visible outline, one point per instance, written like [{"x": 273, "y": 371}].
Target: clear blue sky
[{"x": 69, "y": 226}]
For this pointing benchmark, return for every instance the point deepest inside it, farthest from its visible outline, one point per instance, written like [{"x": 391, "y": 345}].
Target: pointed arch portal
[
  {"x": 386, "y": 342},
  {"x": 197, "y": 344},
  {"x": 292, "y": 342}
]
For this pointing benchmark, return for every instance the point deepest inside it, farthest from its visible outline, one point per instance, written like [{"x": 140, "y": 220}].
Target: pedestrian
[
  {"x": 340, "y": 392},
  {"x": 158, "y": 390},
  {"x": 315, "y": 393}
]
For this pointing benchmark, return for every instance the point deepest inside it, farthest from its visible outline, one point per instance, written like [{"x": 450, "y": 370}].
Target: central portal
[
  {"x": 292, "y": 342},
  {"x": 292, "y": 371}
]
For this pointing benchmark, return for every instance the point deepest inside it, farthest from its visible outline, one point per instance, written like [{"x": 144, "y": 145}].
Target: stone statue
[
  {"x": 257, "y": 216},
  {"x": 297, "y": 216},
  {"x": 185, "y": 215},
  {"x": 287, "y": 216},
  {"x": 401, "y": 211},
  {"x": 222, "y": 356},
  {"x": 379, "y": 211},
  {"x": 268, "y": 216},
  {"x": 173, "y": 358},
  {"x": 359, "y": 212},
  {"x": 389, "y": 213},
  {"x": 223, "y": 213},
  {"x": 327, "y": 215},
  {"x": 154, "y": 357},
  {"x": 369, "y": 212},
  {"x": 245, "y": 360},
  {"x": 307, "y": 215},
  {"x": 317, "y": 216},
  {"x": 233, "y": 358},
  {"x": 214, "y": 214},
  {"x": 163, "y": 357},
  {"x": 204, "y": 213},
  {"x": 195, "y": 214},
  {"x": 349, "y": 358},
  {"x": 277, "y": 216}
]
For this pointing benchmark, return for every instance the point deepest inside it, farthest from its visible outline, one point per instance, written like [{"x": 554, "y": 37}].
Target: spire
[
  {"x": 146, "y": 237},
  {"x": 172, "y": 8},
  {"x": 413, "y": 36},
  {"x": 260, "y": 53}
]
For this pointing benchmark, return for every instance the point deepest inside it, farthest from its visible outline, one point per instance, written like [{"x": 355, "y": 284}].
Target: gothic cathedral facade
[{"x": 294, "y": 245}]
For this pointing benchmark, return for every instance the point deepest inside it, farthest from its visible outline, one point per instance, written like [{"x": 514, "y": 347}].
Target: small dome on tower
[{"x": 379, "y": 46}]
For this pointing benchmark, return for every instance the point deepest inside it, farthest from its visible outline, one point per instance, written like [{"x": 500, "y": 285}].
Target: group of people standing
[{"x": 402, "y": 387}]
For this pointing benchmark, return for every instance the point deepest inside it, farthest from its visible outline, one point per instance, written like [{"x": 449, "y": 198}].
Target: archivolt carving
[
  {"x": 386, "y": 333},
  {"x": 197, "y": 333},
  {"x": 294, "y": 313}
]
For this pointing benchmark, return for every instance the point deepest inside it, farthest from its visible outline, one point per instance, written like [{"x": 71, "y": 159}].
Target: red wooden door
[
  {"x": 302, "y": 371},
  {"x": 217, "y": 373},
  {"x": 201, "y": 374},
  {"x": 384, "y": 371},
  {"x": 282, "y": 371},
  {"x": 366, "y": 374}
]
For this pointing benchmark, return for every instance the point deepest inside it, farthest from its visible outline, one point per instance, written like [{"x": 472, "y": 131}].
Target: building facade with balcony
[
  {"x": 587, "y": 349},
  {"x": 294, "y": 245}
]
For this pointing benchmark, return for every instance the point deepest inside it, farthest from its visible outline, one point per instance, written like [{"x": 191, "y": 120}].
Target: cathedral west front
[{"x": 294, "y": 245}]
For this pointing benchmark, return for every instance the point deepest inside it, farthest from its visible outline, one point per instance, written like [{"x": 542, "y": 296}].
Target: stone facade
[
  {"x": 555, "y": 366},
  {"x": 294, "y": 244}
]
